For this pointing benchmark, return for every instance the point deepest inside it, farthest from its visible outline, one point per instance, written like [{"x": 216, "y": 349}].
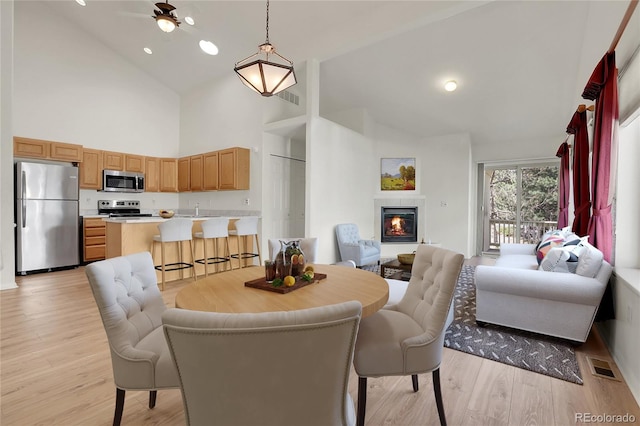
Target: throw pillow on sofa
[
  {"x": 554, "y": 239},
  {"x": 590, "y": 260},
  {"x": 562, "y": 259}
]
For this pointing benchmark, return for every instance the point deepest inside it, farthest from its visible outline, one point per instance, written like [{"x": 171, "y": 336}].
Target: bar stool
[
  {"x": 175, "y": 230},
  {"x": 246, "y": 227},
  {"x": 214, "y": 229}
]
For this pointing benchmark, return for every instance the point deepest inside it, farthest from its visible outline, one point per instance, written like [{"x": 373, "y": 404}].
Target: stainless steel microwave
[{"x": 116, "y": 181}]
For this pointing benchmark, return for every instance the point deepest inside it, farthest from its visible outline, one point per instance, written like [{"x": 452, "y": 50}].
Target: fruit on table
[
  {"x": 289, "y": 281},
  {"x": 309, "y": 268}
]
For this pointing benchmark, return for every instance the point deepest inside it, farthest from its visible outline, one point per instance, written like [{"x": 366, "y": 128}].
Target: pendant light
[
  {"x": 264, "y": 76},
  {"x": 164, "y": 17}
]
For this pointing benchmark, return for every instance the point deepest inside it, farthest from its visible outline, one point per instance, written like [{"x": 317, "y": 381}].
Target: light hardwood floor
[{"x": 56, "y": 370}]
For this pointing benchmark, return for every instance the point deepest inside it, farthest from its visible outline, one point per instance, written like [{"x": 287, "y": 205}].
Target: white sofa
[{"x": 514, "y": 293}]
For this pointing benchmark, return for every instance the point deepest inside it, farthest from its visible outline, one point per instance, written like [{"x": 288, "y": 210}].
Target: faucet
[{"x": 197, "y": 208}]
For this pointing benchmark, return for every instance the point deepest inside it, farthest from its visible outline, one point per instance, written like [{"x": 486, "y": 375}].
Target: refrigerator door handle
[{"x": 24, "y": 201}]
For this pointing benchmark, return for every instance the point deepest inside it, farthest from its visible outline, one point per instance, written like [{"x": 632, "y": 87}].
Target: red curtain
[
  {"x": 563, "y": 192},
  {"x": 581, "y": 196},
  {"x": 603, "y": 88}
]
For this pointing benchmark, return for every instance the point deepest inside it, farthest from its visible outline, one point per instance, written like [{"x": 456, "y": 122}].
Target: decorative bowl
[
  {"x": 166, "y": 213},
  {"x": 406, "y": 258}
]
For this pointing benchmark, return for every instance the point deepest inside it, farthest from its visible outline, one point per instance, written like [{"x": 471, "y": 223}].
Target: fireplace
[{"x": 399, "y": 225}]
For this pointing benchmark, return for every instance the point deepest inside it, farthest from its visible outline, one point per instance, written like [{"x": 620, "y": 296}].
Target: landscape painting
[{"x": 397, "y": 174}]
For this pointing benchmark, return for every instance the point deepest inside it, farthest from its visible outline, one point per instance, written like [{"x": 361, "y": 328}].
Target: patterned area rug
[{"x": 534, "y": 352}]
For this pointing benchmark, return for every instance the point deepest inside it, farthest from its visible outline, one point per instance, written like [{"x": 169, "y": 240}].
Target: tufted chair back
[
  {"x": 352, "y": 247},
  {"x": 309, "y": 247},
  {"x": 407, "y": 338},
  {"x": 434, "y": 275},
  {"x": 131, "y": 307}
]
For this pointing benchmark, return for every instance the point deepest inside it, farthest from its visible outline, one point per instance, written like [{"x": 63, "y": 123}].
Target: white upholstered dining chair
[
  {"x": 309, "y": 247},
  {"x": 408, "y": 338},
  {"x": 274, "y": 368},
  {"x": 126, "y": 291}
]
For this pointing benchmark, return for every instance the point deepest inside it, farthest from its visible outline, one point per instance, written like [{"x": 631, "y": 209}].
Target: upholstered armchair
[
  {"x": 352, "y": 247},
  {"x": 408, "y": 338},
  {"x": 274, "y": 368},
  {"x": 126, "y": 292},
  {"x": 309, "y": 247}
]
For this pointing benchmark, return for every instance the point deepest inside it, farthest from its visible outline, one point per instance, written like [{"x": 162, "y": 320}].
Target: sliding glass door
[{"x": 520, "y": 203}]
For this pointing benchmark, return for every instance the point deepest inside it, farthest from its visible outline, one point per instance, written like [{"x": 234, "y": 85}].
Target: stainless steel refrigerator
[{"x": 46, "y": 215}]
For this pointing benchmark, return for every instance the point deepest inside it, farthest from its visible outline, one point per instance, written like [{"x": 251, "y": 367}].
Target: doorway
[{"x": 520, "y": 203}]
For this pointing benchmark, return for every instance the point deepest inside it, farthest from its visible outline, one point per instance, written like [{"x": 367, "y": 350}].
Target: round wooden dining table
[{"x": 226, "y": 292}]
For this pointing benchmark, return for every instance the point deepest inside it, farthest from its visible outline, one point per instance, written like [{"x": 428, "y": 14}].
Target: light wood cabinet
[
  {"x": 168, "y": 180},
  {"x": 31, "y": 148},
  {"x": 65, "y": 152},
  {"x": 210, "y": 171},
  {"x": 184, "y": 174},
  {"x": 195, "y": 180},
  {"x": 91, "y": 169},
  {"x": 95, "y": 239},
  {"x": 233, "y": 168},
  {"x": 134, "y": 163},
  {"x": 113, "y": 160},
  {"x": 38, "y": 148},
  {"x": 151, "y": 174}
]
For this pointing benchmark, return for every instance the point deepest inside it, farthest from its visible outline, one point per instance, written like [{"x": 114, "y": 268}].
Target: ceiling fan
[{"x": 165, "y": 18}]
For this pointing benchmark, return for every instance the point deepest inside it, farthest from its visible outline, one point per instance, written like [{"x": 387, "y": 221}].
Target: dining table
[{"x": 226, "y": 291}]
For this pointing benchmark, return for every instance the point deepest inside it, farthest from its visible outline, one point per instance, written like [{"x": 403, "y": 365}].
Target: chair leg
[
  {"x": 436, "y": 389},
  {"x": 193, "y": 261},
  {"x": 117, "y": 416},
  {"x": 162, "y": 252},
  {"x": 362, "y": 400},
  {"x": 414, "y": 380},
  {"x": 206, "y": 257},
  {"x": 152, "y": 398}
]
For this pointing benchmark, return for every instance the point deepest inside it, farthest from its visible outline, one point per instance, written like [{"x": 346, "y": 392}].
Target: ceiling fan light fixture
[
  {"x": 265, "y": 76},
  {"x": 165, "y": 18}
]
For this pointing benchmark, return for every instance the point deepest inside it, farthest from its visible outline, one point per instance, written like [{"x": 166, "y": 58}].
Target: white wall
[
  {"x": 69, "y": 87},
  {"x": 7, "y": 254},
  {"x": 342, "y": 175}
]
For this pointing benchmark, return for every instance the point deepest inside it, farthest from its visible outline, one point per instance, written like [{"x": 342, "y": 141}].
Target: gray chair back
[{"x": 276, "y": 368}]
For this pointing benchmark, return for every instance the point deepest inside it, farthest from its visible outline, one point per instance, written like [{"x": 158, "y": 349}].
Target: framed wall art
[{"x": 397, "y": 174}]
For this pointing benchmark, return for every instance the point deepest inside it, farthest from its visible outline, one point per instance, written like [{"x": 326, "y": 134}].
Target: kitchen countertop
[{"x": 153, "y": 219}]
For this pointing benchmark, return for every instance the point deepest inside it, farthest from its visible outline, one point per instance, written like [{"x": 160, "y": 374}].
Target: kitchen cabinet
[
  {"x": 168, "y": 179},
  {"x": 184, "y": 174},
  {"x": 233, "y": 168},
  {"x": 95, "y": 239},
  {"x": 38, "y": 148},
  {"x": 210, "y": 171},
  {"x": 195, "y": 179},
  {"x": 91, "y": 169},
  {"x": 151, "y": 174},
  {"x": 65, "y": 151},
  {"x": 30, "y": 148},
  {"x": 113, "y": 160},
  {"x": 134, "y": 163}
]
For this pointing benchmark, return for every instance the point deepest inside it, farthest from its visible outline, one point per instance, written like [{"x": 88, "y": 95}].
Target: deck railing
[{"x": 504, "y": 231}]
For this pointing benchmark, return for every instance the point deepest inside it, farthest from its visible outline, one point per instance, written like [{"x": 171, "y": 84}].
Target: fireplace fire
[{"x": 399, "y": 224}]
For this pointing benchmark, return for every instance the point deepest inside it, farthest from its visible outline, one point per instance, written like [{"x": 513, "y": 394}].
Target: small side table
[{"x": 395, "y": 264}]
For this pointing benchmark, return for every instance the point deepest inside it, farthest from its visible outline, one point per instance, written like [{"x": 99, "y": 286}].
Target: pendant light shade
[{"x": 262, "y": 75}]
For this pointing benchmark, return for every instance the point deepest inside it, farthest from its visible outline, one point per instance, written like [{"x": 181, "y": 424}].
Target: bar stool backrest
[
  {"x": 247, "y": 225},
  {"x": 216, "y": 227},
  {"x": 176, "y": 229}
]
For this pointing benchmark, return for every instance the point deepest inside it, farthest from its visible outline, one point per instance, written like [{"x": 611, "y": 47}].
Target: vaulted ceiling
[{"x": 520, "y": 65}]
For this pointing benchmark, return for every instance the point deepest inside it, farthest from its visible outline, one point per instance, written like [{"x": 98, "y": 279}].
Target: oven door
[{"x": 116, "y": 181}]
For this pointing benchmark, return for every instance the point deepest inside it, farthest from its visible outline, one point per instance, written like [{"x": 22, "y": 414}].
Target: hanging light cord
[{"x": 267, "y": 27}]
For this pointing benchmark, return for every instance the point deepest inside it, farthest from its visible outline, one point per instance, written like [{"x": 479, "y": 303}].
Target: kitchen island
[{"x": 133, "y": 235}]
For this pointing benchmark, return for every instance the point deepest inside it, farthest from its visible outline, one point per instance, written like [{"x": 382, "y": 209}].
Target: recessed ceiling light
[
  {"x": 450, "y": 86},
  {"x": 208, "y": 47},
  {"x": 81, "y": 2},
  {"x": 189, "y": 20},
  {"x": 148, "y": 51}
]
